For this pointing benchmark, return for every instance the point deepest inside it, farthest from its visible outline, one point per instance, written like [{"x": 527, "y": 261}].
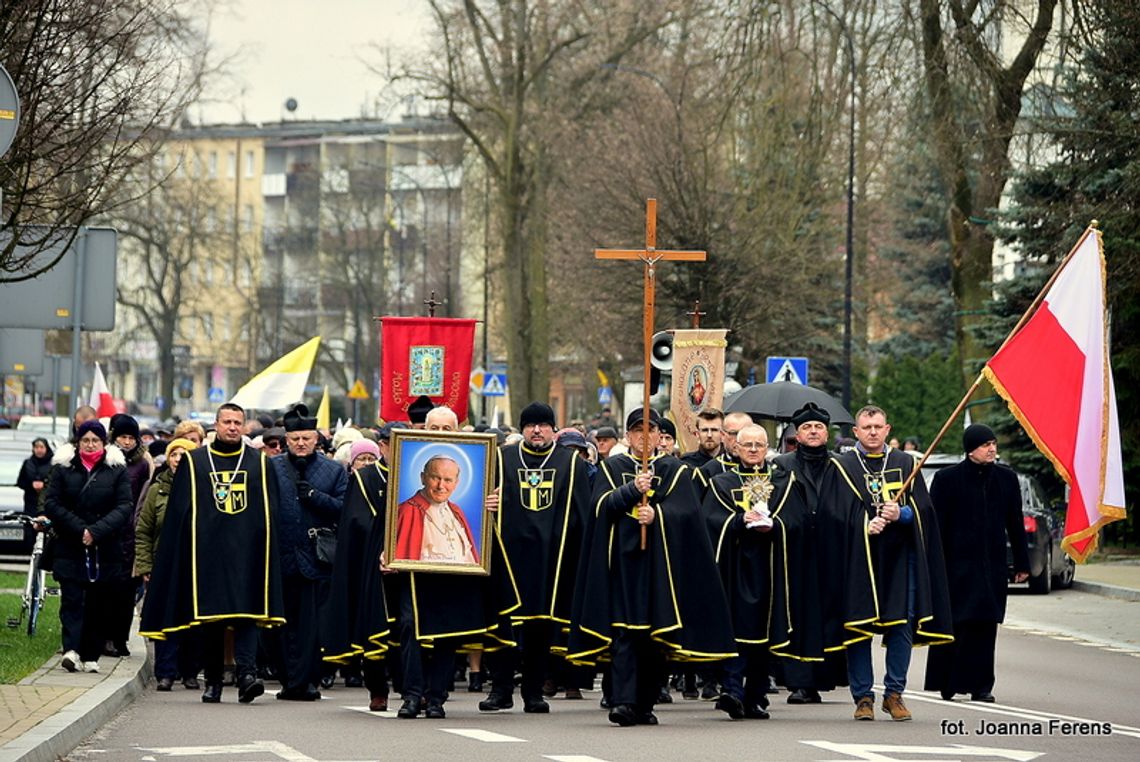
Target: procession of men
[{"x": 751, "y": 567}]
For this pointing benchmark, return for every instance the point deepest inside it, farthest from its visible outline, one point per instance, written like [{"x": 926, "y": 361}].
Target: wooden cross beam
[
  {"x": 431, "y": 304},
  {"x": 696, "y": 314},
  {"x": 649, "y": 256}
]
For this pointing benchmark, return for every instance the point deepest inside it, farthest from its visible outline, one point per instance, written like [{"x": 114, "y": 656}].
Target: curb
[
  {"x": 61, "y": 733},
  {"x": 1108, "y": 591}
]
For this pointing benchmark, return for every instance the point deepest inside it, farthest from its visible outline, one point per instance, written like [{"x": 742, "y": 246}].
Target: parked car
[
  {"x": 1049, "y": 566},
  {"x": 14, "y": 540},
  {"x": 42, "y": 425}
]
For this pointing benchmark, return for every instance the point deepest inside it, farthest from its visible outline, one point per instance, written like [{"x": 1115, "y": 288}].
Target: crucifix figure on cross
[{"x": 649, "y": 256}]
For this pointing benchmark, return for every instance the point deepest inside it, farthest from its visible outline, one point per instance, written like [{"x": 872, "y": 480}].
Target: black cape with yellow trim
[
  {"x": 750, "y": 562},
  {"x": 357, "y": 620},
  {"x": 713, "y": 467},
  {"x": 889, "y": 549},
  {"x": 670, "y": 589},
  {"x": 543, "y": 505},
  {"x": 831, "y": 592},
  {"x": 218, "y": 558}
]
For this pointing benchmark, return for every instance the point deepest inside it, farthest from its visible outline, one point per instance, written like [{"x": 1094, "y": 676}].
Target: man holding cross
[{"x": 644, "y": 603}]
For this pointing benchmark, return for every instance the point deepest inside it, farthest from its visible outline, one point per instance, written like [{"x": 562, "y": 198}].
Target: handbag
[{"x": 324, "y": 544}]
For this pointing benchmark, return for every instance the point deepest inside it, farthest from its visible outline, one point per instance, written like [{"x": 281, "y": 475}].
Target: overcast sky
[{"x": 310, "y": 50}]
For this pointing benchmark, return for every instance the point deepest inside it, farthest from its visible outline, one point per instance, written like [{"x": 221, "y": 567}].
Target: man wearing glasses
[
  {"x": 728, "y": 460},
  {"x": 709, "y": 423}
]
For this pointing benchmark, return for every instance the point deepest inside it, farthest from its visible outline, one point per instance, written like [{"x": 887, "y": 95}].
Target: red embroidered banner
[{"x": 424, "y": 356}]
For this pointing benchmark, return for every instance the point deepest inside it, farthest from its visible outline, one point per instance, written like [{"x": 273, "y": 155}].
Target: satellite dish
[{"x": 291, "y": 105}]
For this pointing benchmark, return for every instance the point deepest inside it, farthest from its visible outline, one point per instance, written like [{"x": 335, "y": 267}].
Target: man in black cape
[
  {"x": 978, "y": 505},
  {"x": 543, "y": 503},
  {"x": 740, "y": 527},
  {"x": 906, "y": 555},
  {"x": 642, "y": 606},
  {"x": 727, "y": 460},
  {"x": 831, "y": 594},
  {"x": 440, "y": 614},
  {"x": 357, "y": 624},
  {"x": 217, "y": 563}
]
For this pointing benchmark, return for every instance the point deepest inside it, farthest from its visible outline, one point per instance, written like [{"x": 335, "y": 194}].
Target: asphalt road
[{"x": 1066, "y": 689}]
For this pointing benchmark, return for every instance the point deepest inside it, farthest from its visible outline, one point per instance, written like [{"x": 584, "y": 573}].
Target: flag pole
[{"x": 1091, "y": 229}]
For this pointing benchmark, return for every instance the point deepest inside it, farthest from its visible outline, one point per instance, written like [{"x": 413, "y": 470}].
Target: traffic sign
[
  {"x": 495, "y": 385},
  {"x": 605, "y": 395},
  {"x": 794, "y": 369},
  {"x": 216, "y": 395},
  {"x": 358, "y": 392}
]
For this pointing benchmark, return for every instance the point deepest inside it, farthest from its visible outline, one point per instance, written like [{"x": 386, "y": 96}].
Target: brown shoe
[
  {"x": 378, "y": 704},
  {"x": 894, "y": 706},
  {"x": 865, "y": 708}
]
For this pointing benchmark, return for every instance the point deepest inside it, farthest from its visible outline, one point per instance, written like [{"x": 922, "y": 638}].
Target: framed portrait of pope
[{"x": 436, "y": 519}]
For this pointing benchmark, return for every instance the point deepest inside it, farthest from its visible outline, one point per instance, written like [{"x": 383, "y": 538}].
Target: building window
[
  {"x": 231, "y": 165},
  {"x": 213, "y": 165},
  {"x": 249, "y": 164},
  {"x": 208, "y": 326},
  {"x": 247, "y": 218}
]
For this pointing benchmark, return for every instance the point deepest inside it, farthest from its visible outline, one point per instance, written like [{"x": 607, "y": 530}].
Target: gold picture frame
[{"x": 436, "y": 518}]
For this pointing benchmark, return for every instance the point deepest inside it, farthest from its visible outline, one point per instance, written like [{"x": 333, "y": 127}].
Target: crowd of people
[{"x": 259, "y": 552}]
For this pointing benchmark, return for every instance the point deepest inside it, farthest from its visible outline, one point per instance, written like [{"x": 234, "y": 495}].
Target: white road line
[
  {"x": 1015, "y": 711},
  {"x": 878, "y": 752},
  {"x": 485, "y": 736},
  {"x": 280, "y": 750},
  {"x": 365, "y": 710},
  {"x": 572, "y": 758}
]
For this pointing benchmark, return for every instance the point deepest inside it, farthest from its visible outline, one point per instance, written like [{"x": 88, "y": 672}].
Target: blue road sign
[
  {"x": 605, "y": 395},
  {"x": 794, "y": 369},
  {"x": 494, "y": 385},
  {"x": 216, "y": 395}
]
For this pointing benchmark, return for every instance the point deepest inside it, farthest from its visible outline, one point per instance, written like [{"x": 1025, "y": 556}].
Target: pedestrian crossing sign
[
  {"x": 495, "y": 385},
  {"x": 793, "y": 369}
]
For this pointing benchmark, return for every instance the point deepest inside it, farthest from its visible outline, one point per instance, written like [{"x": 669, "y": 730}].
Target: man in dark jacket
[
  {"x": 312, "y": 495},
  {"x": 978, "y": 505}
]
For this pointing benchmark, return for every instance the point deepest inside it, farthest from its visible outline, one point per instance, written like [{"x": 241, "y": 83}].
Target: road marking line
[
  {"x": 572, "y": 758},
  {"x": 1015, "y": 711},
  {"x": 485, "y": 736},
  {"x": 875, "y": 752},
  {"x": 389, "y": 715},
  {"x": 277, "y": 748}
]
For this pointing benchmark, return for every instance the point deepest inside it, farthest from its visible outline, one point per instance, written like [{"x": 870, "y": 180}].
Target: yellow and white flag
[
  {"x": 282, "y": 383},
  {"x": 323, "y": 411},
  {"x": 698, "y": 379}
]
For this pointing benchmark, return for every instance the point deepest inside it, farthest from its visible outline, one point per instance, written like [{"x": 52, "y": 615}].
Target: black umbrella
[{"x": 780, "y": 400}]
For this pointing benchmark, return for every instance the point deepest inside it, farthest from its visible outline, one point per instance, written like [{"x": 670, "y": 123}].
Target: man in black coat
[{"x": 978, "y": 505}]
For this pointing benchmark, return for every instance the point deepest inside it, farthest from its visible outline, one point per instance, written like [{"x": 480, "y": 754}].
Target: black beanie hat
[
  {"x": 810, "y": 412},
  {"x": 535, "y": 413},
  {"x": 121, "y": 423},
  {"x": 668, "y": 427},
  {"x": 976, "y": 435}
]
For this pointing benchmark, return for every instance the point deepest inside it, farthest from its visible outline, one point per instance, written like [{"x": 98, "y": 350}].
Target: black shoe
[
  {"x": 755, "y": 712},
  {"x": 228, "y": 676},
  {"x": 664, "y": 696},
  {"x": 121, "y": 650},
  {"x": 986, "y": 697},
  {"x": 475, "y": 682},
  {"x": 327, "y": 681},
  {"x": 805, "y": 696},
  {"x": 496, "y": 702},
  {"x": 536, "y": 706},
  {"x": 249, "y": 688},
  {"x": 190, "y": 683},
  {"x": 549, "y": 688},
  {"x": 947, "y": 695},
  {"x": 709, "y": 692},
  {"x": 409, "y": 710},
  {"x": 308, "y": 693},
  {"x": 353, "y": 681},
  {"x": 623, "y": 715},
  {"x": 212, "y": 694},
  {"x": 435, "y": 712},
  {"x": 731, "y": 705},
  {"x": 646, "y": 718},
  {"x": 164, "y": 684},
  {"x": 605, "y": 702}
]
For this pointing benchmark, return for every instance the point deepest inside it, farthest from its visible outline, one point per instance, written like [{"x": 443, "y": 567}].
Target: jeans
[{"x": 899, "y": 642}]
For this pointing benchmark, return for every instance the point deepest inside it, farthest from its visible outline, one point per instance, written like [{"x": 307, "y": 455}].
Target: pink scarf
[{"x": 91, "y": 459}]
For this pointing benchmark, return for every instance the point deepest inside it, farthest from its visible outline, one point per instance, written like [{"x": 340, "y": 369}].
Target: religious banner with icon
[
  {"x": 426, "y": 356},
  {"x": 698, "y": 379}
]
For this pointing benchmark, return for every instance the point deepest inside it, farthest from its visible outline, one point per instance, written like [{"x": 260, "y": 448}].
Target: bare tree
[{"x": 98, "y": 80}]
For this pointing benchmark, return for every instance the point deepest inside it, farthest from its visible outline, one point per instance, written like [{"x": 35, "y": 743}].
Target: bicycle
[{"x": 35, "y": 587}]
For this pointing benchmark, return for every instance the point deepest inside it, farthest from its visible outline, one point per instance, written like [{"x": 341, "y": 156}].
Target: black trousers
[
  {"x": 746, "y": 675},
  {"x": 212, "y": 642},
  {"x": 533, "y": 653},
  {"x": 123, "y": 595},
  {"x": 300, "y": 635},
  {"x": 637, "y": 668},
  {"x": 425, "y": 672},
  {"x": 967, "y": 664},
  {"x": 84, "y": 611},
  {"x": 375, "y": 675}
]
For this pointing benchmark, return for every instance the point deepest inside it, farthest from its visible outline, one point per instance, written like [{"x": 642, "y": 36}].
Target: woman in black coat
[
  {"x": 88, "y": 499},
  {"x": 33, "y": 474}
]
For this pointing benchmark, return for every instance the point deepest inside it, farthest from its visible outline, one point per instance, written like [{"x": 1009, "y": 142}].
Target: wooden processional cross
[{"x": 649, "y": 257}]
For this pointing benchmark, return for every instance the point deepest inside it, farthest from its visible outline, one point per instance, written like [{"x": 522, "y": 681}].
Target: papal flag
[
  {"x": 424, "y": 356},
  {"x": 698, "y": 379},
  {"x": 282, "y": 383},
  {"x": 1056, "y": 376}
]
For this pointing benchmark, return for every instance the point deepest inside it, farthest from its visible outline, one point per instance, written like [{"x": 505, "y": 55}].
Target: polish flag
[
  {"x": 1056, "y": 376},
  {"x": 101, "y": 396}
]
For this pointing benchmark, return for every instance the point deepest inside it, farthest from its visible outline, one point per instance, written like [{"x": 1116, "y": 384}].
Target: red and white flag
[
  {"x": 1056, "y": 376},
  {"x": 101, "y": 396}
]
